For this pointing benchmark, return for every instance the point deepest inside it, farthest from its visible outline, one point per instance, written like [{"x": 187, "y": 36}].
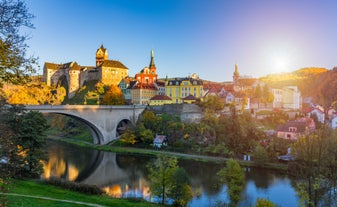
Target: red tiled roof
[
  {"x": 190, "y": 97},
  {"x": 144, "y": 86},
  {"x": 160, "y": 97}
]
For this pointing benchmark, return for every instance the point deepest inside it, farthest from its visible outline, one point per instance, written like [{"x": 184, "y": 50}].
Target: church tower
[
  {"x": 152, "y": 66},
  {"x": 236, "y": 75},
  {"x": 101, "y": 55}
]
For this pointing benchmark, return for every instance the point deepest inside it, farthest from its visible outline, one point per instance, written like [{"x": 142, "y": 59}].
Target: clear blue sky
[{"x": 206, "y": 37}]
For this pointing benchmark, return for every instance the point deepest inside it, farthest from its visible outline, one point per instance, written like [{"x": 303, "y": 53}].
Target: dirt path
[{"x": 52, "y": 199}]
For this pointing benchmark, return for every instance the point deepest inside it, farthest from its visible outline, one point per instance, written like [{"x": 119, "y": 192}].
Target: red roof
[
  {"x": 160, "y": 97},
  {"x": 190, "y": 97}
]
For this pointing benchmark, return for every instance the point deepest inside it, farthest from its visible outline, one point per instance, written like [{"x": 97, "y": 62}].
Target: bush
[{"x": 73, "y": 186}]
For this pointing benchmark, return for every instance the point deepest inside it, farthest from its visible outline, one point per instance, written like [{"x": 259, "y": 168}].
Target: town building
[
  {"x": 72, "y": 75},
  {"x": 291, "y": 97},
  {"x": 159, "y": 100},
  {"x": 292, "y": 130},
  {"x": 145, "y": 87},
  {"x": 317, "y": 111},
  {"x": 179, "y": 88}
]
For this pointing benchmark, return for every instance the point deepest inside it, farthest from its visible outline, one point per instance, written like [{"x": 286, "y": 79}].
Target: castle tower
[
  {"x": 152, "y": 66},
  {"x": 101, "y": 55},
  {"x": 236, "y": 75}
]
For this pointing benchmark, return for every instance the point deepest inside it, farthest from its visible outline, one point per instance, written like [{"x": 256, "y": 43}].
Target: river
[{"x": 123, "y": 175}]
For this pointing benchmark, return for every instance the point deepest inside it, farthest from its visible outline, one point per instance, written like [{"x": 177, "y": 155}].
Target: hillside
[{"x": 318, "y": 83}]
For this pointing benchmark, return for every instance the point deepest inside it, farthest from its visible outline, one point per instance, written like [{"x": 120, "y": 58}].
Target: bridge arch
[
  {"x": 94, "y": 131},
  {"x": 103, "y": 121}
]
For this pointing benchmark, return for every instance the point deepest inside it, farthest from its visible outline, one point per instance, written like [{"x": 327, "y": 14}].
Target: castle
[{"x": 73, "y": 76}]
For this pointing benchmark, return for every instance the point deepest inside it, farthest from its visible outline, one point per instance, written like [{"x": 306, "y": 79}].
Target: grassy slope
[{"x": 39, "y": 189}]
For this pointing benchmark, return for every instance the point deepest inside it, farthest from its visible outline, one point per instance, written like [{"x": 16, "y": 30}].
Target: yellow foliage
[{"x": 113, "y": 96}]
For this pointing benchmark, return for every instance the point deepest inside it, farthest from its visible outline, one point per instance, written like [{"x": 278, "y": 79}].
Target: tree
[
  {"x": 28, "y": 140},
  {"x": 316, "y": 164},
  {"x": 233, "y": 176},
  {"x": 161, "y": 176},
  {"x": 260, "y": 155},
  {"x": 113, "y": 96},
  {"x": 213, "y": 103},
  {"x": 181, "y": 190},
  {"x": 128, "y": 137},
  {"x": 260, "y": 202},
  {"x": 34, "y": 93},
  {"x": 14, "y": 65}
]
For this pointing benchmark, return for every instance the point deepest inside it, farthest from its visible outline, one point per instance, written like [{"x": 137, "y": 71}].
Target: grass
[{"x": 38, "y": 188}]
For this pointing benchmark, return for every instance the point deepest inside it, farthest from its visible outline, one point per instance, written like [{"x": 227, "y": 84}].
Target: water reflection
[{"x": 121, "y": 175}]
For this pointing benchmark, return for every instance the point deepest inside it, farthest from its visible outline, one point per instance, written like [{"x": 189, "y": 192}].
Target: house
[
  {"x": 159, "y": 141},
  {"x": 158, "y": 100},
  {"x": 190, "y": 99},
  {"x": 179, "y": 88},
  {"x": 293, "y": 130},
  {"x": 291, "y": 97},
  {"x": 334, "y": 122},
  {"x": 318, "y": 111}
]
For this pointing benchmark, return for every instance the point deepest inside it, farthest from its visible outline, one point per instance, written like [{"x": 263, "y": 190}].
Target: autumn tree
[
  {"x": 113, "y": 96},
  {"x": 128, "y": 138},
  {"x": 34, "y": 93},
  {"x": 260, "y": 202},
  {"x": 15, "y": 66}
]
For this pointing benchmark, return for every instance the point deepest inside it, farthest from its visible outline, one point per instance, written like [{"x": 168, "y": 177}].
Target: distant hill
[{"x": 315, "y": 82}]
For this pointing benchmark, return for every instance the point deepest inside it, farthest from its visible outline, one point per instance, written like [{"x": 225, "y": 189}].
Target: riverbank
[
  {"x": 153, "y": 152},
  {"x": 38, "y": 194}
]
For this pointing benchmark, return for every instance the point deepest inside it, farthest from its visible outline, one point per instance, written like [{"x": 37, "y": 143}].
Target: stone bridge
[{"x": 102, "y": 121}]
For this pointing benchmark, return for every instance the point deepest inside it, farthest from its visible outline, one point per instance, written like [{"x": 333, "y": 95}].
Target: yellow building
[
  {"x": 159, "y": 100},
  {"x": 179, "y": 88}
]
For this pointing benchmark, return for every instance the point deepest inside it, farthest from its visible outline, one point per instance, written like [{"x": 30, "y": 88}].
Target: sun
[{"x": 280, "y": 64}]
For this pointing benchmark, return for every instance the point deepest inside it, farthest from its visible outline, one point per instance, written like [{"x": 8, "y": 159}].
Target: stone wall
[{"x": 188, "y": 113}]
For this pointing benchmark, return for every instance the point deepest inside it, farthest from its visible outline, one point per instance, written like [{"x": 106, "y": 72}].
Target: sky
[{"x": 206, "y": 37}]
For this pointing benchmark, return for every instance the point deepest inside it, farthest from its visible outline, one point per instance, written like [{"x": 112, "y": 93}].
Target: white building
[{"x": 291, "y": 97}]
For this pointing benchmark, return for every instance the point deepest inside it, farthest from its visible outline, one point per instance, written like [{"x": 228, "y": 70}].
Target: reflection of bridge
[{"x": 102, "y": 121}]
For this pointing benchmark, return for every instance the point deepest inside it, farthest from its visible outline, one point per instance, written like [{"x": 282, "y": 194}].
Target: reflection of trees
[
  {"x": 134, "y": 166},
  {"x": 202, "y": 174},
  {"x": 68, "y": 162},
  {"x": 261, "y": 177}
]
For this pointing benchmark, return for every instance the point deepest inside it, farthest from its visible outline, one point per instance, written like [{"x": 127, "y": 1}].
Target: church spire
[
  {"x": 152, "y": 65},
  {"x": 236, "y": 74}
]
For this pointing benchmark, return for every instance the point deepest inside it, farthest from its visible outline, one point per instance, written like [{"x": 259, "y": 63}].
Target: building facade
[
  {"x": 72, "y": 76},
  {"x": 179, "y": 88}
]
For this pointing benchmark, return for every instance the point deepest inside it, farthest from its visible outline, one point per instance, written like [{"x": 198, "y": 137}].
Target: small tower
[
  {"x": 152, "y": 66},
  {"x": 101, "y": 55},
  {"x": 236, "y": 75}
]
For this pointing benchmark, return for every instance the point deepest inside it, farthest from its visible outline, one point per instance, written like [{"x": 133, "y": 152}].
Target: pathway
[{"x": 52, "y": 199}]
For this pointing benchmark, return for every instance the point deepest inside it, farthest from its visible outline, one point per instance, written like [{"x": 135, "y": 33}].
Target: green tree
[
  {"x": 233, "y": 176},
  {"x": 15, "y": 66},
  {"x": 181, "y": 191},
  {"x": 316, "y": 164},
  {"x": 161, "y": 176},
  {"x": 212, "y": 103},
  {"x": 28, "y": 141},
  {"x": 260, "y": 155}
]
